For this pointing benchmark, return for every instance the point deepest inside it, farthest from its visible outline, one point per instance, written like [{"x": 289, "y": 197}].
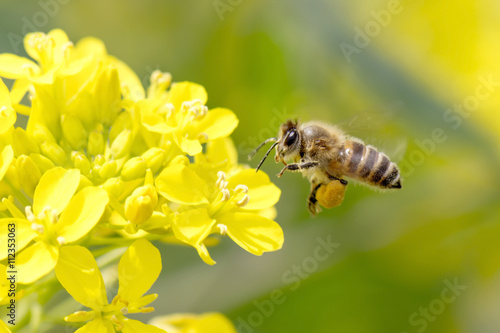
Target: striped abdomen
[{"x": 367, "y": 165}]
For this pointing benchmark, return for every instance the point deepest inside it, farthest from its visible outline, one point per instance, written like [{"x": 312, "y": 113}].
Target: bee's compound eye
[{"x": 291, "y": 138}]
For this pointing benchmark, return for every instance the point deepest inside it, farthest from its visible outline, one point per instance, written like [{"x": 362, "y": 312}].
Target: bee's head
[
  {"x": 288, "y": 141},
  {"x": 287, "y": 144}
]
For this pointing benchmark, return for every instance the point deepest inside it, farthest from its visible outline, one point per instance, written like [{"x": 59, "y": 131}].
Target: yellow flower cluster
[{"x": 103, "y": 163}]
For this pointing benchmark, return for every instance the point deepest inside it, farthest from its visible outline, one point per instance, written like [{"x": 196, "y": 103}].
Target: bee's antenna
[
  {"x": 260, "y": 146},
  {"x": 265, "y": 156}
]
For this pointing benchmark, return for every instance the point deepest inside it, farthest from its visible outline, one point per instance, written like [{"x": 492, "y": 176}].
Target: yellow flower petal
[
  {"x": 218, "y": 123},
  {"x": 222, "y": 150},
  {"x": 191, "y": 147},
  {"x": 74, "y": 68},
  {"x": 193, "y": 226},
  {"x": 211, "y": 322},
  {"x": 186, "y": 91},
  {"x": 139, "y": 268},
  {"x": 134, "y": 89},
  {"x": 61, "y": 40},
  {"x": 15, "y": 67},
  {"x": 7, "y": 158},
  {"x": 4, "y": 328},
  {"x": 107, "y": 95},
  {"x": 36, "y": 261},
  {"x": 8, "y": 117},
  {"x": 82, "y": 213},
  {"x": 90, "y": 46},
  {"x": 153, "y": 121},
  {"x": 22, "y": 231},
  {"x": 80, "y": 316},
  {"x": 37, "y": 43},
  {"x": 55, "y": 189},
  {"x": 180, "y": 184},
  {"x": 252, "y": 232},
  {"x": 145, "y": 300},
  {"x": 263, "y": 194},
  {"x": 204, "y": 255},
  {"x": 135, "y": 326},
  {"x": 7, "y": 114},
  {"x": 97, "y": 325},
  {"x": 78, "y": 273},
  {"x": 18, "y": 90}
]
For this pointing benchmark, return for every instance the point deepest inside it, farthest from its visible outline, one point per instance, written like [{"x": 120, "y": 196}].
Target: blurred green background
[{"x": 425, "y": 258}]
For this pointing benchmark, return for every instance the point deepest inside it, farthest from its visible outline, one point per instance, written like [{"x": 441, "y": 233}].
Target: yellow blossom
[
  {"x": 183, "y": 114},
  {"x": 51, "y": 52},
  {"x": 139, "y": 267},
  {"x": 213, "y": 201},
  {"x": 97, "y": 148},
  {"x": 58, "y": 217}
]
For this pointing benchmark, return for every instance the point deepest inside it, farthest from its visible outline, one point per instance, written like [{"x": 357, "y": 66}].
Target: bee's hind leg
[
  {"x": 312, "y": 202},
  {"x": 342, "y": 181}
]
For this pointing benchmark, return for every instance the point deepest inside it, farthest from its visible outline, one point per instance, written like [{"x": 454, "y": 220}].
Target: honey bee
[{"x": 325, "y": 155}]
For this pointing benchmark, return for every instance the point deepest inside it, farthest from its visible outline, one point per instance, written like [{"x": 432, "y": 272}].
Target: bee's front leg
[{"x": 298, "y": 167}]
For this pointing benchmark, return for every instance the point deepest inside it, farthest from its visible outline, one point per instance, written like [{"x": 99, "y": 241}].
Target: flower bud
[
  {"x": 81, "y": 162},
  {"x": 180, "y": 159},
  {"x": 154, "y": 158},
  {"x": 73, "y": 131},
  {"x": 121, "y": 146},
  {"x": 42, "y": 162},
  {"x": 134, "y": 168},
  {"x": 99, "y": 160},
  {"x": 96, "y": 143},
  {"x": 28, "y": 173},
  {"x": 107, "y": 95},
  {"x": 114, "y": 187},
  {"x": 23, "y": 143},
  {"x": 8, "y": 115},
  {"x": 140, "y": 205},
  {"x": 42, "y": 134},
  {"x": 55, "y": 153},
  {"x": 123, "y": 121},
  {"x": 108, "y": 169}
]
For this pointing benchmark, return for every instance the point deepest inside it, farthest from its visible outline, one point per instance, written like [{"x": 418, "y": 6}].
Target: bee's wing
[{"x": 379, "y": 129}]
